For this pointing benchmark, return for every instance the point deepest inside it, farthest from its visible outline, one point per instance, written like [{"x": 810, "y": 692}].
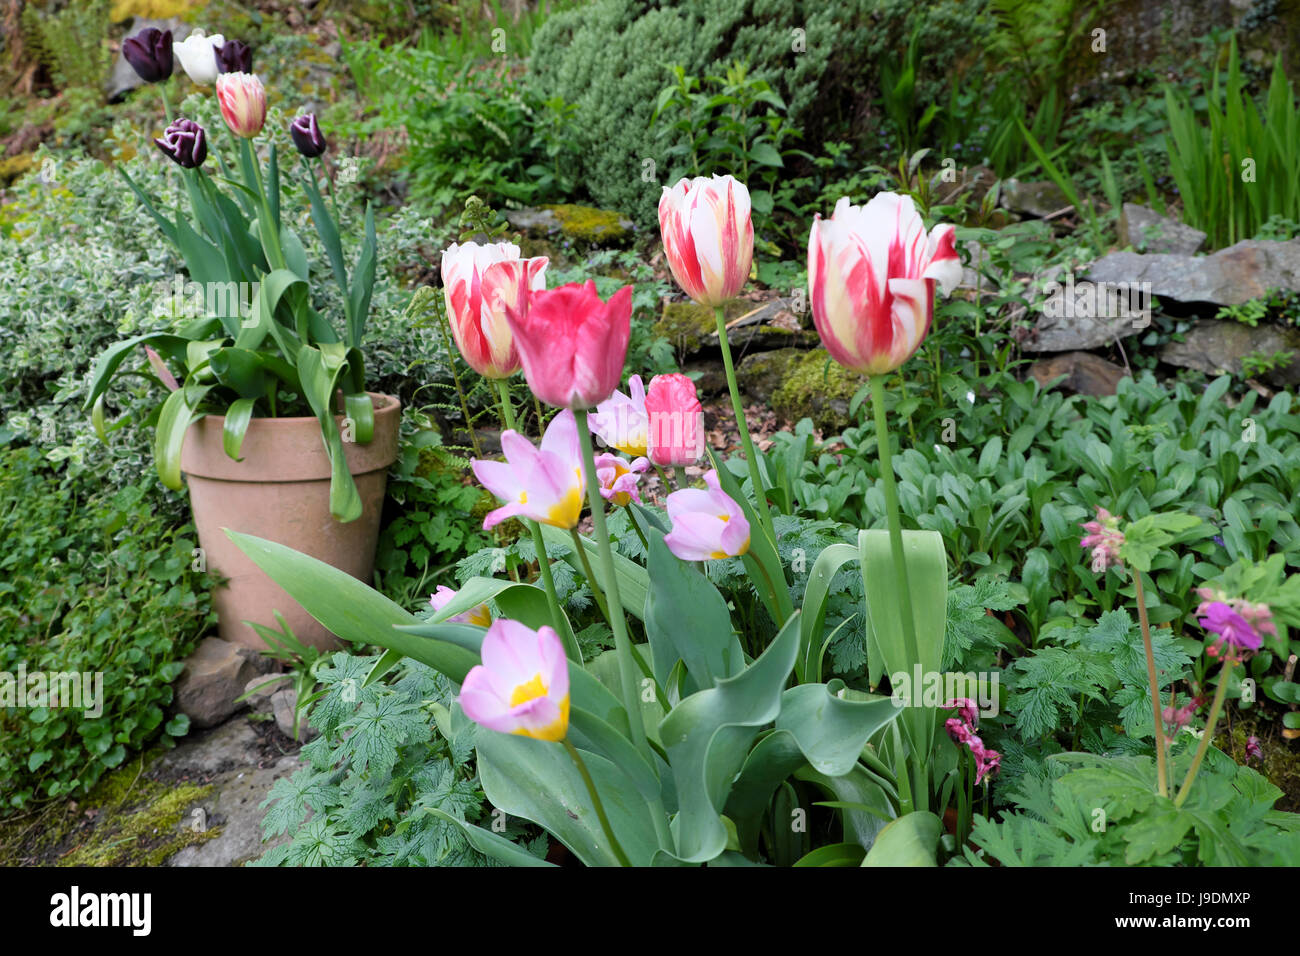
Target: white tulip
[{"x": 197, "y": 54}]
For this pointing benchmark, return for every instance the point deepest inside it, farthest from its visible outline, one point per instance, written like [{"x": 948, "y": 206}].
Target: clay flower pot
[{"x": 280, "y": 491}]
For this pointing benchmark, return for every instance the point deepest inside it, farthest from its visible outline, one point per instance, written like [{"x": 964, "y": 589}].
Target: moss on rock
[
  {"x": 686, "y": 324},
  {"x": 815, "y": 386},
  {"x": 588, "y": 224},
  {"x": 129, "y": 819}
]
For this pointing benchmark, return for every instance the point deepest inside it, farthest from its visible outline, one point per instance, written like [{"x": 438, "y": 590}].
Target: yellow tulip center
[
  {"x": 531, "y": 690},
  {"x": 566, "y": 512}
]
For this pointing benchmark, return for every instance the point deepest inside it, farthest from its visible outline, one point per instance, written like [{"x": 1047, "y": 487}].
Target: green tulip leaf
[
  {"x": 910, "y": 840},
  {"x": 491, "y": 844}
]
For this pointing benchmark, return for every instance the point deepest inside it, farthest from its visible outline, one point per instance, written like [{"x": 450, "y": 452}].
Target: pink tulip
[
  {"x": 479, "y": 616},
  {"x": 522, "y": 686},
  {"x": 706, "y": 524},
  {"x": 242, "y": 99},
  {"x": 479, "y": 284},
  {"x": 619, "y": 477},
  {"x": 871, "y": 276},
  {"x": 544, "y": 484},
  {"x": 620, "y": 420},
  {"x": 572, "y": 344},
  {"x": 708, "y": 236},
  {"x": 676, "y": 433}
]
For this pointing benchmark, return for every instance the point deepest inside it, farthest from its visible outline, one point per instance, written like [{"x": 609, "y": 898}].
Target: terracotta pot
[{"x": 280, "y": 491}]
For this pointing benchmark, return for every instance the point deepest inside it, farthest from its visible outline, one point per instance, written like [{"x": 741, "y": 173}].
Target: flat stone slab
[
  {"x": 1214, "y": 346},
  {"x": 1248, "y": 270}
]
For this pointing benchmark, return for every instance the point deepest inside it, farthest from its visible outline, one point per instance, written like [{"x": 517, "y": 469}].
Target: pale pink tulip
[
  {"x": 522, "y": 686},
  {"x": 544, "y": 484},
  {"x": 706, "y": 524}
]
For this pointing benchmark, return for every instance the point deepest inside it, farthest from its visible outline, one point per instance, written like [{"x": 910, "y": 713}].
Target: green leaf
[
  {"x": 832, "y": 730},
  {"x": 633, "y": 581},
  {"x": 823, "y": 571},
  {"x": 238, "y": 415},
  {"x": 169, "y": 437},
  {"x": 834, "y": 854},
  {"x": 703, "y": 639},
  {"x": 708, "y": 735},
  {"x": 536, "y": 780},
  {"x": 350, "y": 609},
  {"x": 910, "y": 840},
  {"x": 491, "y": 844}
]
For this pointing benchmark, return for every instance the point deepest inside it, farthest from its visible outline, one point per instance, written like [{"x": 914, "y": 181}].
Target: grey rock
[
  {"x": 260, "y": 690},
  {"x": 710, "y": 377},
  {"x": 761, "y": 374},
  {"x": 1147, "y": 231},
  {"x": 1214, "y": 346},
  {"x": 534, "y": 222},
  {"x": 772, "y": 324},
  {"x": 212, "y": 751},
  {"x": 283, "y": 703},
  {"x": 1080, "y": 315},
  {"x": 1248, "y": 270},
  {"x": 214, "y": 675},
  {"x": 234, "y": 805},
  {"x": 1032, "y": 199},
  {"x": 973, "y": 180},
  {"x": 1085, "y": 373}
]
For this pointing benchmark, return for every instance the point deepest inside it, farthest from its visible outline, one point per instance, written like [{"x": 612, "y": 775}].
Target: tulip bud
[
  {"x": 307, "y": 135},
  {"x": 234, "y": 56},
  {"x": 243, "y": 103},
  {"x": 198, "y": 56},
  {"x": 708, "y": 236},
  {"x": 185, "y": 142},
  {"x": 676, "y": 430},
  {"x": 150, "y": 54}
]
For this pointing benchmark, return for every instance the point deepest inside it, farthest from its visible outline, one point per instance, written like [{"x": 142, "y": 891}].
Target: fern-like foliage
[{"x": 72, "y": 43}]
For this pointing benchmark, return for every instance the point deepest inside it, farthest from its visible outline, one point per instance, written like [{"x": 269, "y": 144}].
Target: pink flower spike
[
  {"x": 544, "y": 484},
  {"x": 1105, "y": 540},
  {"x": 522, "y": 686},
  {"x": 479, "y": 616},
  {"x": 1231, "y": 627},
  {"x": 966, "y": 709},
  {"x": 706, "y": 524}
]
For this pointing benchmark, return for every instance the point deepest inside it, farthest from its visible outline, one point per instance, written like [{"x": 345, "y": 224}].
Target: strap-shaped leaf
[
  {"x": 824, "y": 569},
  {"x": 702, "y": 638},
  {"x": 491, "y": 844},
  {"x": 832, "y": 730},
  {"x": 329, "y": 238},
  {"x": 295, "y": 256},
  {"x": 319, "y": 370},
  {"x": 360, "y": 410},
  {"x": 762, "y": 551},
  {"x": 911, "y": 840},
  {"x": 242, "y": 370},
  {"x": 350, "y": 609},
  {"x": 173, "y": 420},
  {"x": 589, "y": 732},
  {"x": 238, "y": 415},
  {"x": 112, "y": 357},
  {"x": 536, "y": 780},
  {"x": 363, "y": 283},
  {"x": 708, "y": 736},
  {"x": 633, "y": 582}
]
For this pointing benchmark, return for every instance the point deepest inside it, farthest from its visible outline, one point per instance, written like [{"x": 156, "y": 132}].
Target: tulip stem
[
  {"x": 636, "y": 526},
  {"x": 751, "y": 456},
  {"x": 1215, "y": 707},
  {"x": 902, "y": 586},
  {"x": 591, "y": 577},
  {"x": 627, "y": 669},
  {"x": 595, "y": 800},
  {"x": 558, "y": 621},
  {"x": 267, "y": 230},
  {"x": 443, "y": 327},
  {"x": 1162, "y": 771}
]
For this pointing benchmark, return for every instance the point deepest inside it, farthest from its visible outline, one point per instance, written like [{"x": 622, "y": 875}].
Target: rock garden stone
[
  {"x": 585, "y": 224},
  {"x": 1149, "y": 232},
  {"x": 214, "y": 675},
  {"x": 1214, "y": 346},
  {"x": 1248, "y": 270},
  {"x": 1032, "y": 199},
  {"x": 1085, "y": 373},
  {"x": 283, "y": 703}
]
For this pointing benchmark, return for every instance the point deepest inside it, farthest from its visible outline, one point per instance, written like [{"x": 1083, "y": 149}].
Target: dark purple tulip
[
  {"x": 234, "y": 56},
  {"x": 307, "y": 135},
  {"x": 150, "y": 53},
  {"x": 185, "y": 142}
]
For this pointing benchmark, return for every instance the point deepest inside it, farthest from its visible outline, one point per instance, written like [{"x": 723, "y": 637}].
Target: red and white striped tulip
[
  {"x": 708, "y": 236},
  {"x": 871, "y": 276},
  {"x": 479, "y": 283},
  {"x": 242, "y": 99}
]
